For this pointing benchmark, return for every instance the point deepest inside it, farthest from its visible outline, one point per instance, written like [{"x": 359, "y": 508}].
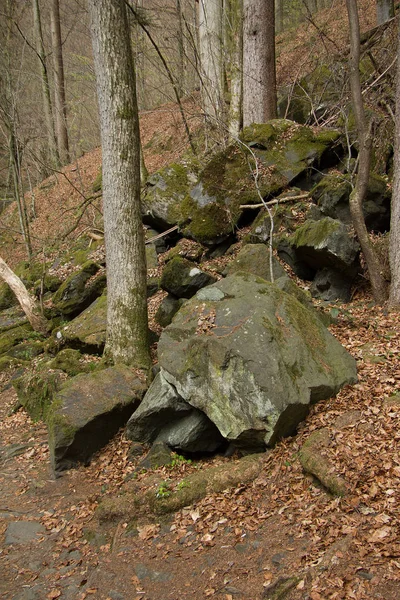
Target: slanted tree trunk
[
  {"x": 28, "y": 304},
  {"x": 384, "y": 11},
  {"x": 60, "y": 105},
  {"x": 47, "y": 108},
  {"x": 378, "y": 284},
  {"x": 394, "y": 247},
  {"x": 211, "y": 58},
  {"x": 127, "y": 329},
  {"x": 259, "y": 75}
]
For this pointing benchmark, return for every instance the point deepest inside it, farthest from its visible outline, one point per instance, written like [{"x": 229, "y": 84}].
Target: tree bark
[
  {"x": 259, "y": 75},
  {"x": 394, "y": 245},
  {"x": 47, "y": 108},
  {"x": 60, "y": 105},
  {"x": 127, "y": 328},
  {"x": 384, "y": 11},
  {"x": 234, "y": 26},
  {"x": 211, "y": 63},
  {"x": 28, "y": 304},
  {"x": 378, "y": 284}
]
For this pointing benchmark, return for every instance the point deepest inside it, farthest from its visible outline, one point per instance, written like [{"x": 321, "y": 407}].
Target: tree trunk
[
  {"x": 234, "y": 26},
  {"x": 259, "y": 75},
  {"x": 394, "y": 247},
  {"x": 384, "y": 11},
  {"x": 47, "y": 109},
  {"x": 378, "y": 283},
  {"x": 127, "y": 329},
  {"x": 211, "y": 63},
  {"x": 59, "y": 84},
  {"x": 28, "y": 304}
]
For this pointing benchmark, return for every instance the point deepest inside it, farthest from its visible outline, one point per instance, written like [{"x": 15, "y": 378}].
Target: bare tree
[
  {"x": 384, "y": 11},
  {"x": 127, "y": 329},
  {"x": 357, "y": 196},
  {"x": 60, "y": 105},
  {"x": 259, "y": 75}
]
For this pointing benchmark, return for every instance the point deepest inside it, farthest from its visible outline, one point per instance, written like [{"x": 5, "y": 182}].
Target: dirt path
[{"x": 281, "y": 531}]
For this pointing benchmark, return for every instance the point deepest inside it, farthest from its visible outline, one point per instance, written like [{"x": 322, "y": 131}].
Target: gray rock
[
  {"x": 79, "y": 290},
  {"x": 331, "y": 286},
  {"x": 23, "y": 532},
  {"x": 87, "y": 411},
  {"x": 163, "y": 416},
  {"x": 167, "y": 310},
  {"x": 183, "y": 278},
  {"x": 256, "y": 364},
  {"x": 327, "y": 243},
  {"x": 255, "y": 259},
  {"x": 143, "y": 573}
]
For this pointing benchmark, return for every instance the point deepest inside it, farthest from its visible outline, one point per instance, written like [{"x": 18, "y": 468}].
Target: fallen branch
[
  {"x": 161, "y": 235},
  {"x": 276, "y": 201}
]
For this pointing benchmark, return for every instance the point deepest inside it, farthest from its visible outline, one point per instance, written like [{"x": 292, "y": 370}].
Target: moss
[
  {"x": 36, "y": 388},
  {"x": 7, "y": 296},
  {"x": 13, "y": 336},
  {"x": 70, "y": 361},
  {"x": 8, "y": 361},
  {"x": 313, "y": 233}
]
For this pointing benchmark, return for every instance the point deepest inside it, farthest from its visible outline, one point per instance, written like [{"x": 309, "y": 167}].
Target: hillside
[{"x": 283, "y": 535}]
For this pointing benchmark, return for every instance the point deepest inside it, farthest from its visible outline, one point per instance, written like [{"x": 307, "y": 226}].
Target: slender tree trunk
[
  {"x": 181, "y": 51},
  {"x": 48, "y": 113},
  {"x": 394, "y": 248},
  {"x": 211, "y": 58},
  {"x": 28, "y": 304},
  {"x": 378, "y": 284},
  {"x": 234, "y": 24},
  {"x": 127, "y": 329},
  {"x": 259, "y": 75},
  {"x": 59, "y": 84},
  {"x": 384, "y": 11}
]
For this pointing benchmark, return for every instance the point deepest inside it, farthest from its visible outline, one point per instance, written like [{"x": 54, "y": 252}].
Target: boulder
[
  {"x": 87, "y": 411},
  {"x": 13, "y": 336},
  {"x": 183, "y": 278},
  {"x": 12, "y": 317},
  {"x": 167, "y": 310},
  {"x": 164, "y": 416},
  {"x": 255, "y": 259},
  {"x": 205, "y": 201},
  {"x": 79, "y": 290},
  {"x": 326, "y": 243},
  {"x": 331, "y": 286},
  {"x": 252, "y": 358},
  {"x": 332, "y": 197}
]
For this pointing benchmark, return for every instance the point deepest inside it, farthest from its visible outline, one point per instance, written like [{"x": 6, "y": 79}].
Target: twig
[
  {"x": 276, "y": 201},
  {"x": 161, "y": 235}
]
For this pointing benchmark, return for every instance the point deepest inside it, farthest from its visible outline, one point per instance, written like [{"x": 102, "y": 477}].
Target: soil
[{"x": 283, "y": 531}]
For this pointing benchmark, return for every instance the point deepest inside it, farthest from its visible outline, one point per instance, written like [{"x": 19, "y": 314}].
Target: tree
[
  {"x": 127, "y": 329},
  {"x": 259, "y": 76},
  {"x": 384, "y": 11},
  {"x": 394, "y": 247},
  {"x": 59, "y": 84},
  {"x": 357, "y": 196},
  {"x": 211, "y": 58},
  {"x": 28, "y": 303},
  {"x": 234, "y": 43},
  {"x": 47, "y": 107}
]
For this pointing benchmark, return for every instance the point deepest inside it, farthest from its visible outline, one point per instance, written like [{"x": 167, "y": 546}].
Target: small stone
[{"x": 23, "y": 532}]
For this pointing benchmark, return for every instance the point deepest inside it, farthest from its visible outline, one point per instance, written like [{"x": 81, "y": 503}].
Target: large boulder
[
  {"x": 163, "y": 416},
  {"x": 256, "y": 259},
  {"x": 205, "y": 201},
  {"x": 87, "y": 411},
  {"x": 87, "y": 332},
  {"x": 332, "y": 197},
  {"x": 252, "y": 358}
]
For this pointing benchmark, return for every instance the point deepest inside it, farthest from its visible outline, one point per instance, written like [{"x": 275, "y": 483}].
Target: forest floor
[
  {"x": 283, "y": 531},
  {"x": 282, "y": 536}
]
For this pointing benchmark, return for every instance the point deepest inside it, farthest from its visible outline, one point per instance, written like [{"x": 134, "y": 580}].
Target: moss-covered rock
[
  {"x": 12, "y": 317},
  {"x": 87, "y": 411},
  {"x": 14, "y": 336},
  {"x": 27, "y": 350},
  {"x": 7, "y": 296},
  {"x": 314, "y": 461},
  {"x": 87, "y": 332},
  {"x": 36, "y": 388},
  {"x": 71, "y": 362},
  {"x": 182, "y": 278},
  {"x": 79, "y": 290},
  {"x": 256, "y": 259},
  {"x": 98, "y": 182}
]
